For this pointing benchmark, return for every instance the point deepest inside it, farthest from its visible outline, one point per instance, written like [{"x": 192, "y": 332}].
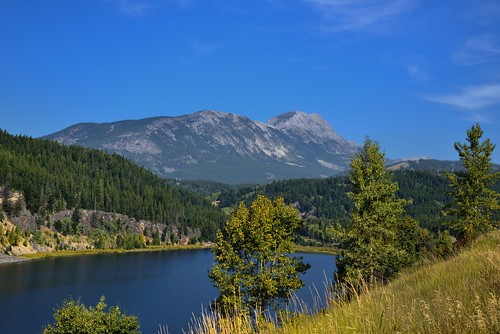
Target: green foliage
[
  {"x": 372, "y": 246},
  {"x": 130, "y": 241},
  {"x": 443, "y": 247},
  {"x": 75, "y": 318},
  {"x": 408, "y": 239},
  {"x": 42, "y": 238},
  {"x": 66, "y": 226},
  {"x": 54, "y": 177},
  {"x": 102, "y": 240},
  {"x": 75, "y": 217},
  {"x": 473, "y": 199},
  {"x": 204, "y": 187},
  {"x": 14, "y": 236},
  {"x": 156, "y": 238},
  {"x": 325, "y": 202},
  {"x": 253, "y": 269},
  {"x": 314, "y": 231},
  {"x": 59, "y": 226}
]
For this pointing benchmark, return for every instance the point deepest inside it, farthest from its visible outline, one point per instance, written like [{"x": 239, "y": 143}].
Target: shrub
[{"x": 75, "y": 317}]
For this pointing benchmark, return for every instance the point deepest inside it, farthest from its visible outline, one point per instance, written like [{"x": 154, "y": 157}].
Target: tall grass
[{"x": 459, "y": 295}]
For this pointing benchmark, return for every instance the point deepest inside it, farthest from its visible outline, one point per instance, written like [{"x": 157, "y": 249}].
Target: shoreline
[
  {"x": 4, "y": 258},
  {"x": 65, "y": 253}
]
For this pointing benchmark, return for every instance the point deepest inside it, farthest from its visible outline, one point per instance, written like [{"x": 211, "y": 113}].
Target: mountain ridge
[{"x": 221, "y": 146}]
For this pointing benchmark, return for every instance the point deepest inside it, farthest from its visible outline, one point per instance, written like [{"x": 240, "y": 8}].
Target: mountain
[
  {"x": 426, "y": 164},
  {"x": 433, "y": 165},
  {"x": 221, "y": 147}
]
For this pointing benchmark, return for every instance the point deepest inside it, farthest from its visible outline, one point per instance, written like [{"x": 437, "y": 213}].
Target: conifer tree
[
  {"x": 473, "y": 200},
  {"x": 371, "y": 244}
]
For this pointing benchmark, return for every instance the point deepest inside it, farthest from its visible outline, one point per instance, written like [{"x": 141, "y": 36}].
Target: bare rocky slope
[{"x": 222, "y": 147}]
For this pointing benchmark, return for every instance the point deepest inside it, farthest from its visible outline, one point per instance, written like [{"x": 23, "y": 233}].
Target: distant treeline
[
  {"x": 324, "y": 202},
  {"x": 54, "y": 177}
]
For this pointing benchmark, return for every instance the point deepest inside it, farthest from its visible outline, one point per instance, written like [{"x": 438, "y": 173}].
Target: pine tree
[
  {"x": 371, "y": 247},
  {"x": 473, "y": 200}
]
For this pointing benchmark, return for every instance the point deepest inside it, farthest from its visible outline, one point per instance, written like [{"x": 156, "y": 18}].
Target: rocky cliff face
[{"x": 221, "y": 146}]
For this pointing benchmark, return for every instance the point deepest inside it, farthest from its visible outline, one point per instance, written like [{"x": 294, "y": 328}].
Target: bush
[
  {"x": 75, "y": 317},
  {"x": 14, "y": 236}
]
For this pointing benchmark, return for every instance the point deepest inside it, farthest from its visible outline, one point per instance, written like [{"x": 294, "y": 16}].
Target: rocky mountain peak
[
  {"x": 221, "y": 146},
  {"x": 208, "y": 113},
  {"x": 298, "y": 119},
  {"x": 308, "y": 127}
]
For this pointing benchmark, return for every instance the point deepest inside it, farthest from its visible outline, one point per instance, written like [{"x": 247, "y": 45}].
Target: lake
[{"x": 161, "y": 288}]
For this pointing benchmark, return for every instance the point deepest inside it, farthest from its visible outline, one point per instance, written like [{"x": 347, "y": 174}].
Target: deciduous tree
[{"x": 253, "y": 268}]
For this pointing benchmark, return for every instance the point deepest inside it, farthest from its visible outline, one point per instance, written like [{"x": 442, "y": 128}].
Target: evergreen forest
[
  {"x": 324, "y": 202},
  {"x": 52, "y": 177}
]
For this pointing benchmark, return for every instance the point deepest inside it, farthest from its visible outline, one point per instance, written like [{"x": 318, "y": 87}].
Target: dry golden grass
[{"x": 459, "y": 295}]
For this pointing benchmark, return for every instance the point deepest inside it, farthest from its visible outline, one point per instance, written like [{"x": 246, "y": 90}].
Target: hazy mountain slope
[{"x": 221, "y": 146}]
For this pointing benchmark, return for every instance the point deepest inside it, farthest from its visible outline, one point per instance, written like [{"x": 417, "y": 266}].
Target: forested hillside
[
  {"x": 53, "y": 177},
  {"x": 324, "y": 202}
]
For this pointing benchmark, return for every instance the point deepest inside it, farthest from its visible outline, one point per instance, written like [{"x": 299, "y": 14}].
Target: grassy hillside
[{"x": 459, "y": 295}]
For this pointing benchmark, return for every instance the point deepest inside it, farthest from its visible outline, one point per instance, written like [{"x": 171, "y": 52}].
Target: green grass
[{"x": 459, "y": 295}]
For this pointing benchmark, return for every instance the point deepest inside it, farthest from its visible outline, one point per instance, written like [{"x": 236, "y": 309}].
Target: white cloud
[
  {"x": 477, "y": 50},
  {"x": 360, "y": 15},
  {"x": 471, "y": 98}
]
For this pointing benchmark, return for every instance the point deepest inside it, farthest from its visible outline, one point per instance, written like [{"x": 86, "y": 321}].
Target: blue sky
[{"x": 411, "y": 74}]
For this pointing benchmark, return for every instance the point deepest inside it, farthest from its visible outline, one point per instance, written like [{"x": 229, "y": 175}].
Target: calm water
[{"x": 160, "y": 287}]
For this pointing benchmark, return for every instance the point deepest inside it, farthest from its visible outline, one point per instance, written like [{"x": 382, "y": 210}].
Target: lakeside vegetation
[
  {"x": 378, "y": 247},
  {"x": 456, "y": 295},
  {"x": 324, "y": 202}
]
